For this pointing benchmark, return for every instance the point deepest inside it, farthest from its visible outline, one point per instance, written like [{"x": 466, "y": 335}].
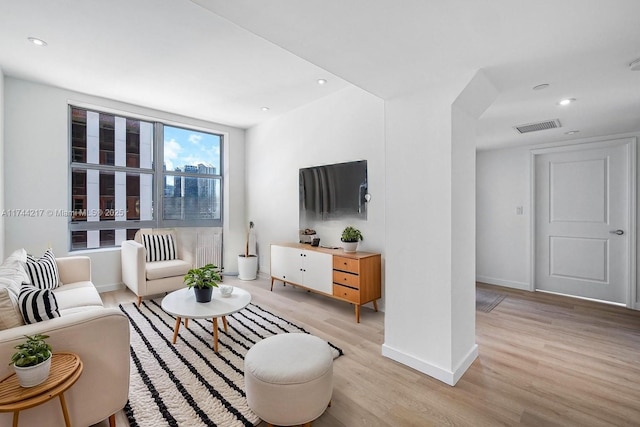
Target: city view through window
[{"x": 191, "y": 164}]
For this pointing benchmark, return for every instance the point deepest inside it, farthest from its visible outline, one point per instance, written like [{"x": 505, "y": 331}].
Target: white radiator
[{"x": 209, "y": 247}]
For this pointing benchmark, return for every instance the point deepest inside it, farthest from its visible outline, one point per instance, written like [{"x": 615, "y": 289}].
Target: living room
[{"x": 421, "y": 166}]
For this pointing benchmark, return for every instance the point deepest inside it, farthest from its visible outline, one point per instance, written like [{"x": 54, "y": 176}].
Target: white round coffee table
[{"x": 182, "y": 304}]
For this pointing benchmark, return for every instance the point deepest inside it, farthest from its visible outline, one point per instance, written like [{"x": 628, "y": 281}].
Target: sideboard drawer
[
  {"x": 346, "y": 264},
  {"x": 346, "y": 293},
  {"x": 347, "y": 279}
]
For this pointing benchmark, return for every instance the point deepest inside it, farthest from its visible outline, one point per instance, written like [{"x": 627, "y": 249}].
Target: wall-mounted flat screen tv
[{"x": 333, "y": 191}]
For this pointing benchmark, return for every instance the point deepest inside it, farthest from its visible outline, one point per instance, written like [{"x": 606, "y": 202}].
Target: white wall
[
  {"x": 2, "y": 156},
  {"x": 36, "y": 162},
  {"x": 503, "y": 244},
  {"x": 347, "y": 125}
]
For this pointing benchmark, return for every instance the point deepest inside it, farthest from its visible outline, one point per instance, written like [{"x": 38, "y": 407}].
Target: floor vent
[{"x": 534, "y": 127}]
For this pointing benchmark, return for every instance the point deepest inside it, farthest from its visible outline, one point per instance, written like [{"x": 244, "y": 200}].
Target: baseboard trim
[
  {"x": 506, "y": 283},
  {"x": 446, "y": 376}
]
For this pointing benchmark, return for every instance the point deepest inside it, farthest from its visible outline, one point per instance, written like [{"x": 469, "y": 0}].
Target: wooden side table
[{"x": 65, "y": 371}]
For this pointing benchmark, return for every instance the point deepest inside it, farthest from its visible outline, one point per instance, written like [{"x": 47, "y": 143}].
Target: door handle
[{"x": 618, "y": 232}]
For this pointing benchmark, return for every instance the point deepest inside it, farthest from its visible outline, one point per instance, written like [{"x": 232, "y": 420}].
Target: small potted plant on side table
[
  {"x": 350, "y": 237},
  {"x": 32, "y": 361},
  {"x": 203, "y": 280}
]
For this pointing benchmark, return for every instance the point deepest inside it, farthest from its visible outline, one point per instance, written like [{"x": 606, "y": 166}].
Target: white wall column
[{"x": 430, "y": 229}]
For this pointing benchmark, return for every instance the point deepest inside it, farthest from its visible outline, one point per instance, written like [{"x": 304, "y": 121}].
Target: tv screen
[{"x": 333, "y": 191}]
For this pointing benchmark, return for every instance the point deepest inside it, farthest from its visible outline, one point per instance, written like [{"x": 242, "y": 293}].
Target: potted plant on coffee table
[
  {"x": 32, "y": 360},
  {"x": 203, "y": 280},
  {"x": 350, "y": 237}
]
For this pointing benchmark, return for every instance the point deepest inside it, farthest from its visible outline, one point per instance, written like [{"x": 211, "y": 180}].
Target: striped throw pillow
[
  {"x": 159, "y": 247},
  {"x": 37, "y": 304},
  {"x": 43, "y": 271}
]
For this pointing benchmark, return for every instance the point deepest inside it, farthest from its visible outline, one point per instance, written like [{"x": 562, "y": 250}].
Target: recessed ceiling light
[
  {"x": 566, "y": 101},
  {"x": 572, "y": 132},
  {"x": 541, "y": 86},
  {"x": 265, "y": 108},
  {"x": 37, "y": 41},
  {"x": 322, "y": 81},
  {"x": 635, "y": 65}
]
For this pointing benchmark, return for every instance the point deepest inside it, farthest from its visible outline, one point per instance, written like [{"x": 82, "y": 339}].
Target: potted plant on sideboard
[
  {"x": 32, "y": 361},
  {"x": 350, "y": 237},
  {"x": 247, "y": 262},
  {"x": 203, "y": 280}
]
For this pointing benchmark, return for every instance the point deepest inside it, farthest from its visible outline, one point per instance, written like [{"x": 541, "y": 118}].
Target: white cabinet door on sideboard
[
  {"x": 286, "y": 263},
  {"x": 317, "y": 271},
  {"x": 299, "y": 266}
]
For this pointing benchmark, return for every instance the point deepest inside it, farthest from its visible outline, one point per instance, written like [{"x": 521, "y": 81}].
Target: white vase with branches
[{"x": 248, "y": 262}]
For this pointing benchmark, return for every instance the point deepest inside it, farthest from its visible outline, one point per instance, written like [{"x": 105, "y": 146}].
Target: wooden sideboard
[{"x": 354, "y": 277}]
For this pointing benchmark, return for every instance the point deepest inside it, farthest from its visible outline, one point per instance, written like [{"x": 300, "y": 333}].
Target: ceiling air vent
[{"x": 534, "y": 127}]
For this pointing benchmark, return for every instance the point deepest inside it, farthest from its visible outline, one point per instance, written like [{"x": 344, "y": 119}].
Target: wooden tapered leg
[
  {"x": 375, "y": 305},
  {"x": 357, "y": 313},
  {"x": 112, "y": 420},
  {"x": 65, "y": 413},
  {"x": 215, "y": 334},
  {"x": 139, "y": 301},
  {"x": 16, "y": 414},
  {"x": 306, "y": 424},
  {"x": 176, "y": 328},
  {"x": 186, "y": 322},
  {"x": 272, "y": 284},
  {"x": 224, "y": 323}
]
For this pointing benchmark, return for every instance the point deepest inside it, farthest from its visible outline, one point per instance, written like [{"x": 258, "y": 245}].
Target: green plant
[
  {"x": 203, "y": 277},
  {"x": 33, "y": 351},
  {"x": 351, "y": 234}
]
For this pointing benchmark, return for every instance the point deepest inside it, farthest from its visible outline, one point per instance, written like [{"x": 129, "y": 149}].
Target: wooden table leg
[
  {"x": 176, "y": 329},
  {"x": 16, "y": 414},
  {"x": 186, "y": 322},
  {"x": 64, "y": 410},
  {"x": 224, "y": 322},
  {"x": 357, "y": 313},
  {"x": 215, "y": 334}
]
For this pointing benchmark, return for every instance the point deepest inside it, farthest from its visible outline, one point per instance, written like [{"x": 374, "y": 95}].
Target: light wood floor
[{"x": 544, "y": 360}]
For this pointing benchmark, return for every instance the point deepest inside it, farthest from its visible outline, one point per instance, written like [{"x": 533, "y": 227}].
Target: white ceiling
[
  {"x": 170, "y": 55},
  {"x": 223, "y": 60}
]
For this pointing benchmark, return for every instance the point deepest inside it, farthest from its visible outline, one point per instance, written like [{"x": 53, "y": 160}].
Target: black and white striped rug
[{"x": 188, "y": 384}]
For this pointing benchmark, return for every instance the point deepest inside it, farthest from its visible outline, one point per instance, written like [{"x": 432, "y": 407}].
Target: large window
[{"x": 117, "y": 186}]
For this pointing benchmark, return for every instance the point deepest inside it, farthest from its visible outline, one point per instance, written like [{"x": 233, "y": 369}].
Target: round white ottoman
[{"x": 288, "y": 378}]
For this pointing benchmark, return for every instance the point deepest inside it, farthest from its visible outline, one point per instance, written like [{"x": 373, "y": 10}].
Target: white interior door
[{"x": 582, "y": 222}]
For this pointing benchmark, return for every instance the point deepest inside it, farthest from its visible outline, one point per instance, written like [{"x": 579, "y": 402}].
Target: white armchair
[{"x": 156, "y": 277}]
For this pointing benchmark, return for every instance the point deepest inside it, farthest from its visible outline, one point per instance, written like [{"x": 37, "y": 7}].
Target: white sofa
[
  {"x": 152, "y": 278},
  {"x": 100, "y": 336}
]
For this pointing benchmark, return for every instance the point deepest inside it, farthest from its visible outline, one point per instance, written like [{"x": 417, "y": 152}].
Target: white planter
[
  {"x": 31, "y": 376},
  {"x": 247, "y": 267},
  {"x": 350, "y": 246}
]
